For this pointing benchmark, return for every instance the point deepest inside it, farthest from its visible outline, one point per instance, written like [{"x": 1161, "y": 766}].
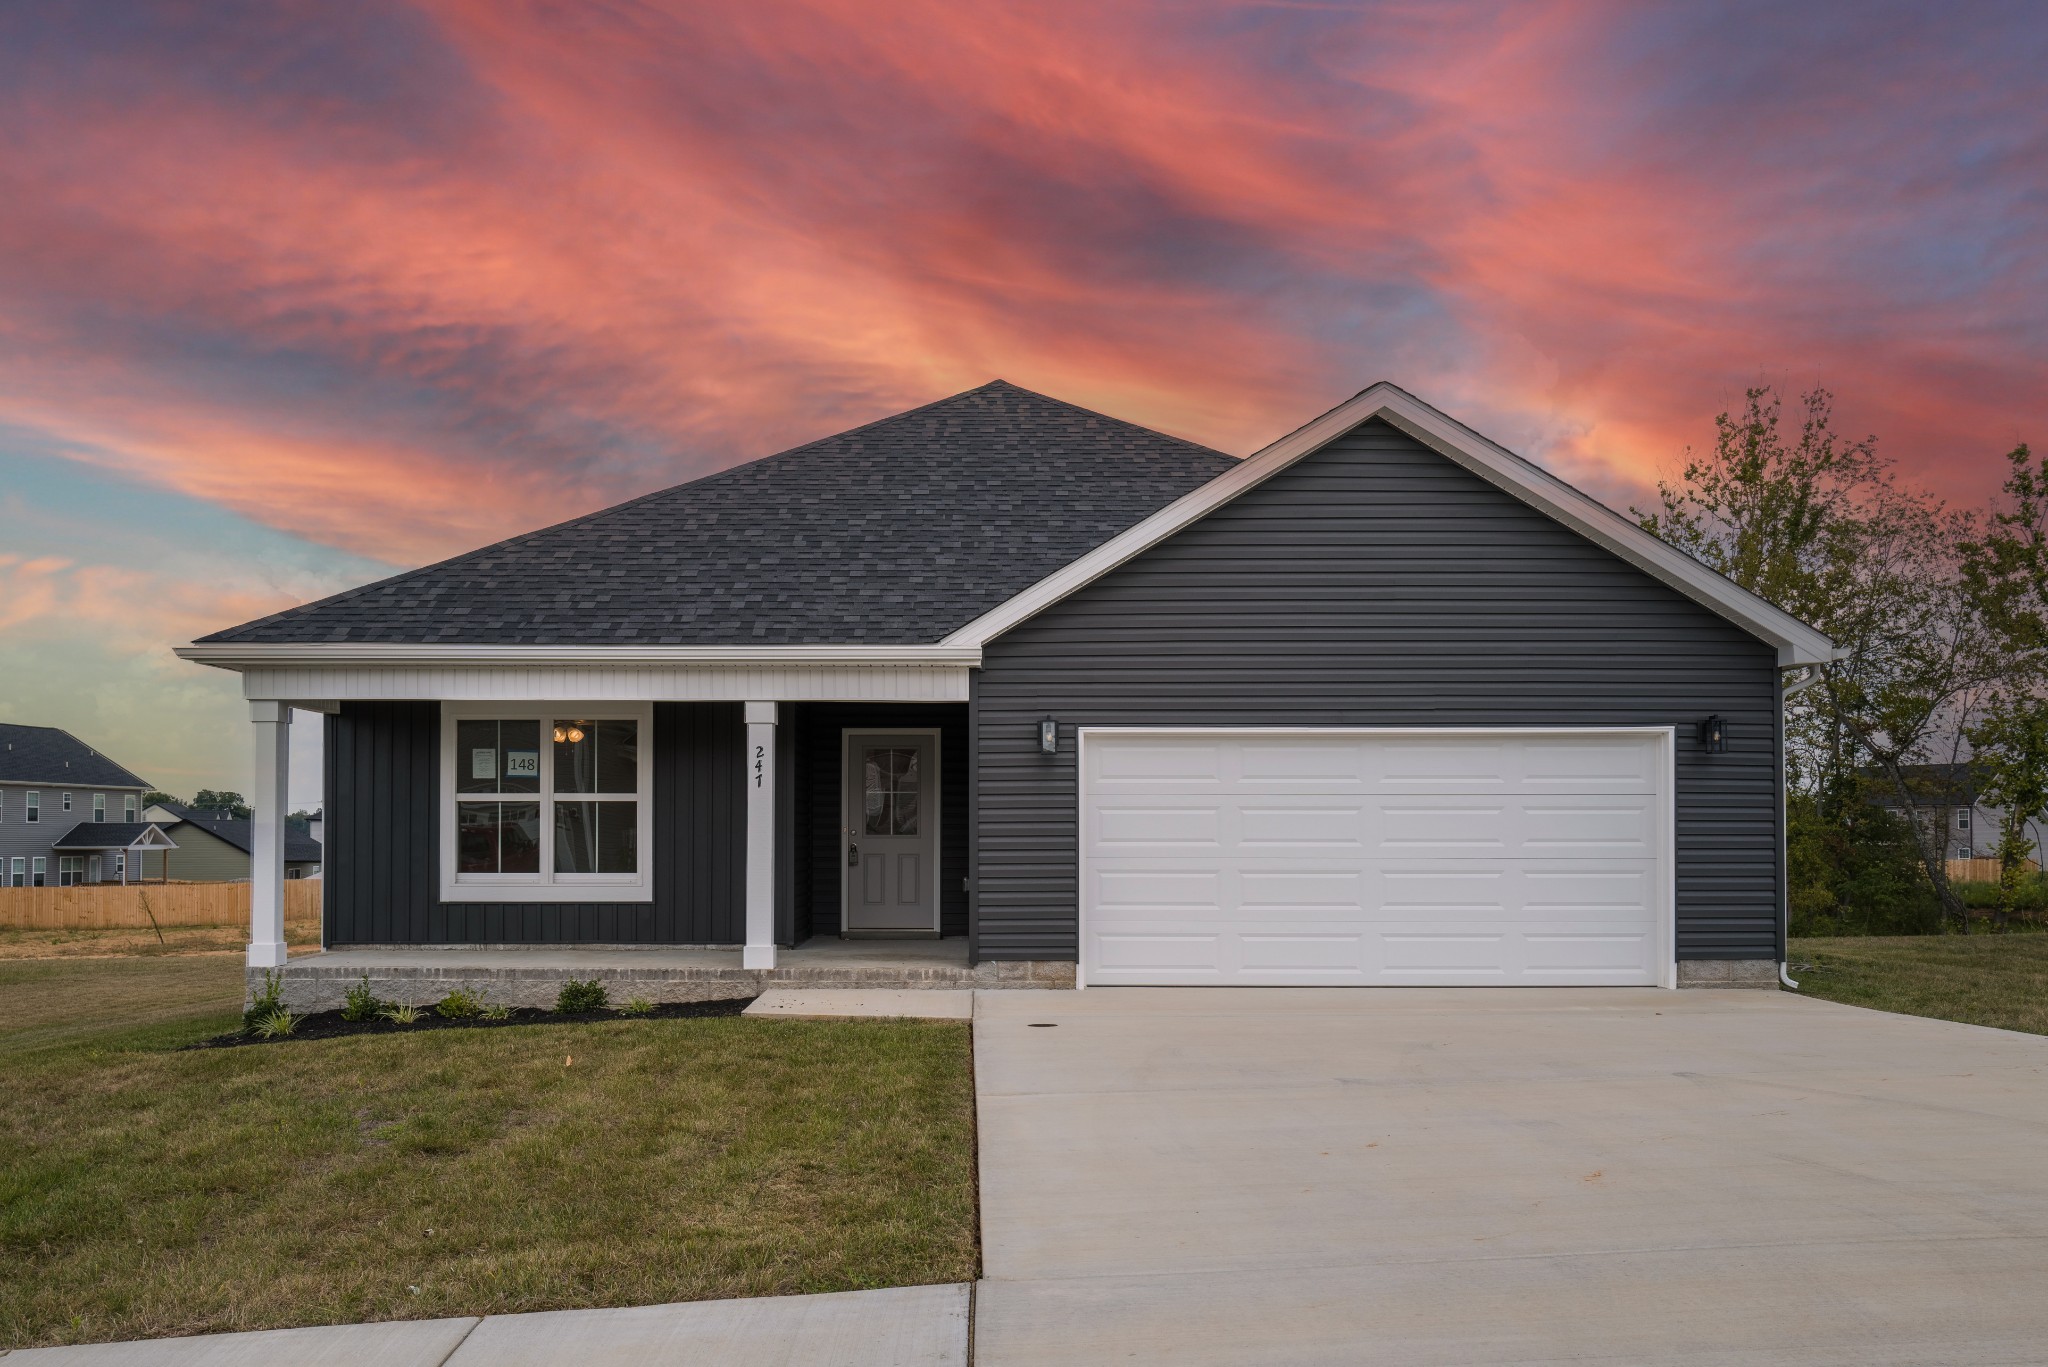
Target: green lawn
[
  {"x": 1999, "y": 980},
  {"x": 146, "y": 1191}
]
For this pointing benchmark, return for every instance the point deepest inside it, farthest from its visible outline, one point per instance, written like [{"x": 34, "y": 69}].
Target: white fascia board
[
  {"x": 230, "y": 655},
  {"x": 1796, "y": 642}
]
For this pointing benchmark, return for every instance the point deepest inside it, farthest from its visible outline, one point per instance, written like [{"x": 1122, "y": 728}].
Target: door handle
[{"x": 852, "y": 854}]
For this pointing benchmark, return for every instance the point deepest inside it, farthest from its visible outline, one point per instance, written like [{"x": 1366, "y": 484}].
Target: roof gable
[
  {"x": 1796, "y": 642},
  {"x": 890, "y": 534}
]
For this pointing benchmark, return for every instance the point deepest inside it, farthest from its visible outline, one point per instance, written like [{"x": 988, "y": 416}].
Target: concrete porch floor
[{"x": 533, "y": 975}]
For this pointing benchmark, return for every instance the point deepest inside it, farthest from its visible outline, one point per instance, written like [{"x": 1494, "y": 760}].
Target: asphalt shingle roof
[
  {"x": 105, "y": 835},
  {"x": 299, "y": 847},
  {"x": 44, "y": 754},
  {"x": 894, "y": 533}
]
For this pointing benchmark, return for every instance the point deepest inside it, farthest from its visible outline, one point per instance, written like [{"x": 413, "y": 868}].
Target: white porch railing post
[
  {"x": 760, "y": 947},
  {"x": 272, "y": 725}
]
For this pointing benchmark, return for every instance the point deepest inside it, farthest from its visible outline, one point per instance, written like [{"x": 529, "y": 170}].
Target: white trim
[
  {"x": 271, "y": 655},
  {"x": 1797, "y": 643},
  {"x": 316, "y": 686},
  {"x": 762, "y": 768},
  {"x": 1667, "y": 883},
  {"x": 936, "y": 805},
  {"x": 547, "y": 885}
]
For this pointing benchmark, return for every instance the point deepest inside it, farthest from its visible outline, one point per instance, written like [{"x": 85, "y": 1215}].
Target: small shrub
[
  {"x": 638, "y": 1006},
  {"x": 580, "y": 997},
  {"x": 402, "y": 1013},
  {"x": 460, "y": 1005},
  {"x": 268, "y": 1002},
  {"x": 361, "y": 1004},
  {"x": 494, "y": 1011},
  {"x": 275, "y": 1023}
]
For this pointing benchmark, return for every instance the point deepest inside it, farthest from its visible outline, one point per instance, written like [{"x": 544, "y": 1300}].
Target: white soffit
[{"x": 1796, "y": 642}]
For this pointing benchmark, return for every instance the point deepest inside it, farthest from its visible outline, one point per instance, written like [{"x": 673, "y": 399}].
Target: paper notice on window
[
  {"x": 483, "y": 764},
  {"x": 522, "y": 764}
]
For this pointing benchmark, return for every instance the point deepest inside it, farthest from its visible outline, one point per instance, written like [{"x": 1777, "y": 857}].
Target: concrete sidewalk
[
  {"x": 1413, "y": 1177},
  {"x": 911, "y": 1326}
]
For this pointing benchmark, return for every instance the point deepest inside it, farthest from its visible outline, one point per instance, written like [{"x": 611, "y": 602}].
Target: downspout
[{"x": 1808, "y": 677}]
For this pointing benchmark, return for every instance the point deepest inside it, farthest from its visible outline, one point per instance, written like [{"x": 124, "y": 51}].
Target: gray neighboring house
[
  {"x": 1946, "y": 798},
  {"x": 1382, "y": 703},
  {"x": 68, "y": 814},
  {"x": 213, "y": 846}
]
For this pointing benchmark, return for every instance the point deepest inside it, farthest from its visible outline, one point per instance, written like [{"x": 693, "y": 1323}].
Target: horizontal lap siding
[
  {"x": 383, "y": 839},
  {"x": 1377, "y": 584}
]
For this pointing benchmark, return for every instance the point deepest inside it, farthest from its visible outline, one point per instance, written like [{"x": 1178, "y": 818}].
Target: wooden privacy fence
[
  {"x": 1982, "y": 870},
  {"x": 109, "y": 906}
]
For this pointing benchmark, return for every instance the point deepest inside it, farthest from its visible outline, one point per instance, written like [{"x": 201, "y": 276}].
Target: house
[
  {"x": 1383, "y": 703},
  {"x": 1947, "y": 798},
  {"x": 68, "y": 814},
  {"x": 213, "y": 846}
]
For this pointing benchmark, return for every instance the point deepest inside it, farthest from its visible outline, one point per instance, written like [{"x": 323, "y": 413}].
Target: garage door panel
[{"x": 1355, "y": 858}]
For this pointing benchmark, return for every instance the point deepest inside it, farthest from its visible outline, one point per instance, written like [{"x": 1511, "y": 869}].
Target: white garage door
[{"x": 1386, "y": 858}]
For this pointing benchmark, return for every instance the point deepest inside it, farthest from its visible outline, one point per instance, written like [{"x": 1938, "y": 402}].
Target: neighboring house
[
  {"x": 1383, "y": 703},
  {"x": 1946, "y": 798},
  {"x": 68, "y": 814},
  {"x": 213, "y": 846}
]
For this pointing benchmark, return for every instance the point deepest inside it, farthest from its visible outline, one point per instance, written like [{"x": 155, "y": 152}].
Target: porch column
[
  {"x": 760, "y": 948},
  {"x": 272, "y": 722}
]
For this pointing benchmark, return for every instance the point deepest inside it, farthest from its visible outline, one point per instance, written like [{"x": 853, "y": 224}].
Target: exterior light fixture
[
  {"x": 571, "y": 734},
  {"x": 1048, "y": 737},
  {"x": 1714, "y": 735}
]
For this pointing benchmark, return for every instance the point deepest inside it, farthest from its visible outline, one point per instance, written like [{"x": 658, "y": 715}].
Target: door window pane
[
  {"x": 597, "y": 837},
  {"x": 889, "y": 781},
  {"x": 597, "y": 756}
]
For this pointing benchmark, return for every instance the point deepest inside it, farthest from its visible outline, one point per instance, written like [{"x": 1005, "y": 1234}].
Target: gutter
[{"x": 245, "y": 656}]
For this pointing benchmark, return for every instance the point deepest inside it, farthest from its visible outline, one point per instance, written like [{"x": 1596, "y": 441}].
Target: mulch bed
[{"x": 330, "y": 1025}]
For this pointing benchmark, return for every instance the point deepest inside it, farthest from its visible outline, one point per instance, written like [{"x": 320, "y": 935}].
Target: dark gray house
[{"x": 1380, "y": 704}]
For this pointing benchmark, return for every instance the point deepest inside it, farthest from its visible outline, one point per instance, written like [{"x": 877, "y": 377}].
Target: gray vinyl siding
[
  {"x": 1376, "y": 583},
  {"x": 20, "y": 837},
  {"x": 382, "y": 839}
]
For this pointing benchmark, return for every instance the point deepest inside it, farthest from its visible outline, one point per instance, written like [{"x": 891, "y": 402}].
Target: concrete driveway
[{"x": 1513, "y": 1176}]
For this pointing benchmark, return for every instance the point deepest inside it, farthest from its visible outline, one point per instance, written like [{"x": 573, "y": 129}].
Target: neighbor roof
[
  {"x": 895, "y": 533},
  {"x": 299, "y": 847},
  {"x": 115, "y": 835},
  {"x": 44, "y": 754}
]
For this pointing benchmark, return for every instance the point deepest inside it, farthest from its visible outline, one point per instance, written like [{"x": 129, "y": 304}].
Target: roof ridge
[{"x": 521, "y": 538}]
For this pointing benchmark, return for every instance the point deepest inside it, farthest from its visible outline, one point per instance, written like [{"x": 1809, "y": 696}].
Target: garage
[{"x": 1382, "y": 857}]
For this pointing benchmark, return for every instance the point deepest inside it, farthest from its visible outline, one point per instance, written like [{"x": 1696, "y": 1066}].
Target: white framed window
[
  {"x": 1963, "y": 819},
  {"x": 20, "y": 873},
  {"x": 120, "y": 863},
  {"x": 67, "y": 802},
  {"x": 35, "y": 806},
  {"x": 547, "y": 802},
  {"x": 99, "y": 806},
  {"x": 38, "y": 871},
  {"x": 70, "y": 870},
  {"x": 128, "y": 801}
]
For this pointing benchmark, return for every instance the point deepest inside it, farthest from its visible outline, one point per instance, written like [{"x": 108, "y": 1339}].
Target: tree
[
  {"x": 2005, "y": 570},
  {"x": 153, "y": 798},
  {"x": 230, "y": 803},
  {"x": 1818, "y": 525}
]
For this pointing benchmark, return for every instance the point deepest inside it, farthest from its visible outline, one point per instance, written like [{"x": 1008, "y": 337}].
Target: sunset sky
[{"x": 292, "y": 295}]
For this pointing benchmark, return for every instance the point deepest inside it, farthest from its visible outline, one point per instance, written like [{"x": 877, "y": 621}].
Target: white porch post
[
  {"x": 272, "y": 721},
  {"x": 760, "y": 949}
]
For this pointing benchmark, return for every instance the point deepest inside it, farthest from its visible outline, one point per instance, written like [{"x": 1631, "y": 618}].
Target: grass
[
  {"x": 149, "y": 1191},
  {"x": 1999, "y": 980},
  {"x": 17, "y": 943}
]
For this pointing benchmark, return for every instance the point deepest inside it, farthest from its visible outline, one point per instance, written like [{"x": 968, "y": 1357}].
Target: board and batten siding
[
  {"x": 383, "y": 839},
  {"x": 1376, "y": 583}
]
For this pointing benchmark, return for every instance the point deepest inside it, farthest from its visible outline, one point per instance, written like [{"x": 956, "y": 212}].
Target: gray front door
[{"x": 891, "y": 849}]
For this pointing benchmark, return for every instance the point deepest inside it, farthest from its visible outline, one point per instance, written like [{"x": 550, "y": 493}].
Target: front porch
[{"x": 522, "y": 976}]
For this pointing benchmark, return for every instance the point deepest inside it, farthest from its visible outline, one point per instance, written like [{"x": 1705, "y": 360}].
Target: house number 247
[{"x": 760, "y": 763}]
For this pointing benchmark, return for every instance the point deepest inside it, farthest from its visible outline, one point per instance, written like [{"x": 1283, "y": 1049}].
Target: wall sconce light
[
  {"x": 1048, "y": 737},
  {"x": 571, "y": 734},
  {"x": 1714, "y": 735}
]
